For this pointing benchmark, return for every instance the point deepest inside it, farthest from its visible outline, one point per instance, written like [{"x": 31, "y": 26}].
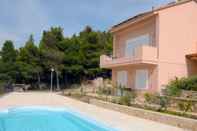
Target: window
[
  {"x": 122, "y": 78},
  {"x": 141, "y": 80},
  {"x": 136, "y": 42}
]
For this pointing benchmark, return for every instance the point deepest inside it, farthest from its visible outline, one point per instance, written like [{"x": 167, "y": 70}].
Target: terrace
[{"x": 117, "y": 120}]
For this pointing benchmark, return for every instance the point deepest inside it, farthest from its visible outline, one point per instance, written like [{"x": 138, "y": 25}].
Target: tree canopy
[
  {"x": 74, "y": 58},
  {"x": 8, "y": 61}
]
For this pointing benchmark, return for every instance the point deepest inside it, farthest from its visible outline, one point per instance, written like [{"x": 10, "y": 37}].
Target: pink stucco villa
[{"x": 154, "y": 47}]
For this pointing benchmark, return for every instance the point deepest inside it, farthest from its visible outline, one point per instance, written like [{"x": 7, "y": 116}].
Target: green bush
[
  {"x": 157, "y": 99},
  {"x": 126, "y": 99},
  {"x": 185, "y": 106},
  {"x": 163, "y": 103},
  {"x": 173, "y": 90},
  {"x": 150, "y": 98},
  {"x": 177, "y": 84},
  {"x": 133, "y": 95},
  {"x": 119, "y": 90},
  {"x": 105, "y": 91},
  {"x": 1, "y": 88},
  {"x": 115, "y": 100}
]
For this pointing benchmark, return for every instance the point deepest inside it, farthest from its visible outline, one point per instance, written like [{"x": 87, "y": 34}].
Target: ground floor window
[
  {"x": 141, "y": 79},
  {"x": 122, "y": 78}
]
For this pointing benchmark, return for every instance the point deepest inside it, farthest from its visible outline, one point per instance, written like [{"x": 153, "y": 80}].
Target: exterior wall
[
  {"x": 144, "y": 27},
  {"x": 174, "y": 33},
  {"x": 131, "y": 70},
  {"x": 177, "y": 37},
  {"x": 147, "y": 26}
]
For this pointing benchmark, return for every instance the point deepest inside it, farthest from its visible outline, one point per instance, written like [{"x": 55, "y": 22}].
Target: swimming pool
[{"x": 47, "y": 119}]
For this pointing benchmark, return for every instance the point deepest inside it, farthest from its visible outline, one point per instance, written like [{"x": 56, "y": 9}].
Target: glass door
[
  {"x": 122, "y": 78},
  {"x": 141, "y": 79},
  {"x": 133, "y": 43}
]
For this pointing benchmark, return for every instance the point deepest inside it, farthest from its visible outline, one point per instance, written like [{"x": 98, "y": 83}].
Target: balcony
[{"x": 142, "y": 55}]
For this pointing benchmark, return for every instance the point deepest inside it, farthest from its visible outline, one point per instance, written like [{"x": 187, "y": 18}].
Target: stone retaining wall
[
  {"x": 174, "y": 101},
  {"x": 192, "y": 94},
  {"x": 181, "y": 122}
]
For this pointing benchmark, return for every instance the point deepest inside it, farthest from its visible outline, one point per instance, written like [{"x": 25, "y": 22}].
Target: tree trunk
[
  {"x": 51, "y": 89},
  {"x": 39, "y": 81},
  {"x": 57, "y": 77}
]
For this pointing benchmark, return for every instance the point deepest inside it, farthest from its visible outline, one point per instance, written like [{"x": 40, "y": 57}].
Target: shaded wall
[{"x": 177, "y": 38}]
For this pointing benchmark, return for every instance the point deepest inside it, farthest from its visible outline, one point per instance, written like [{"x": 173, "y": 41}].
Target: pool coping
[
  {"x": 176, "y": 121},
  {"x": 72, "y": 111},
  {"x": 114, "y": 119}
]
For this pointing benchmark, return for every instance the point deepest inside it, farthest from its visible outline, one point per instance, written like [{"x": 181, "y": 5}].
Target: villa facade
[{"x": 153, "y": 48}]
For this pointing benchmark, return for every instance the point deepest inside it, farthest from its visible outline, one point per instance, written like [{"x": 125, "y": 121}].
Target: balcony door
[
  {"x": 141, "y": 79},
  {"x": 122, "y": 78},
  {"x": 133, "y": 43}
]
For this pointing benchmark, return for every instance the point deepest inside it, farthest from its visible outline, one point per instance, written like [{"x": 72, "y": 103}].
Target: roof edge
[
  {"x": 129, "y": 22},
  {"x": 144, "y": 15}
]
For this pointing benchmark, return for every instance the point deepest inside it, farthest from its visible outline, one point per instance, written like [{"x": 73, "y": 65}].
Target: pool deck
[{"x": 111, "y": 118}]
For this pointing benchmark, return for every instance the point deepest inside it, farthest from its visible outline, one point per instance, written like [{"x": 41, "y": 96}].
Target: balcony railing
[{"x": 142, "y": 55}]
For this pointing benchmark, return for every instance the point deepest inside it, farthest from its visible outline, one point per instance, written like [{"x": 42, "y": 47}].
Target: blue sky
[{"x": 20, "y": 18}]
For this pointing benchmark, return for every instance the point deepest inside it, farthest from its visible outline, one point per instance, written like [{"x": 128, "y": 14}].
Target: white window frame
[
  {"x": 138, "y": 76},
  {"x": 122, "y": 78}
]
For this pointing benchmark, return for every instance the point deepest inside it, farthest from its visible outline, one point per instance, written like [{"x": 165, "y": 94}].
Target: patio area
[{"x": 111, "y": 118}]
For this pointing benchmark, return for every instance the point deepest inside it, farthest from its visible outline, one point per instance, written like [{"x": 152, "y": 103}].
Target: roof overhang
[
  {"x": 130, "y": 22},
  {"x": 192, "y": 56},
  {"x": 145, "y": 15}
]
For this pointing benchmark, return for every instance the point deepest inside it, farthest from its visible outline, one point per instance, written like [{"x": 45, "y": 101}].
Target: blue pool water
[{"x": 47, "y": 119}]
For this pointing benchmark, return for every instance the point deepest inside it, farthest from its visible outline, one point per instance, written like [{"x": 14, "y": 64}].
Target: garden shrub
[
  {"x": 122, "y": 91},
  {"x": 108, "y": 91},
  {"x": 163, "y": 103},
  {"x": 157, "y": 99},
  {"x": 150, "y": 98},
  {"x": 173, "y": 91},
  {"x": 126, "y": 99},
  {"x": 190, "y": 83},
  {"x": 174, "y": 86},
  {"x": 99, "y": 91},
  {"x": 119, "y": 90},
  {"x": 185, "y": 106},
  {"x": 133, "y": 95},
  {"x": 147, "y": 98},
  {"x": 114, "y": 100},
  {"x": 2, "y": 87},
  {"x": 105, "y": 91}
]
